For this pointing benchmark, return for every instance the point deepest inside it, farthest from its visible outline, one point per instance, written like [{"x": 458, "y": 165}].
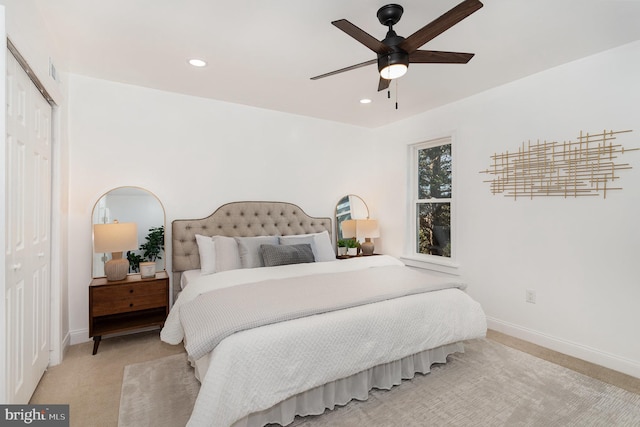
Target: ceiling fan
[{"x": 395, "y": 52}]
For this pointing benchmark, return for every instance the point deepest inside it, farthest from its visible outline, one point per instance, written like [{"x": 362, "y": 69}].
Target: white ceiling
[{"x": 263, "y": 53}]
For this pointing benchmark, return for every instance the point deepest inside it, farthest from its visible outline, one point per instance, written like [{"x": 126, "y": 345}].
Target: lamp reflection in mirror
[
  {"x": 366, "y": 229},
  {"x": 115, "y": 238}
]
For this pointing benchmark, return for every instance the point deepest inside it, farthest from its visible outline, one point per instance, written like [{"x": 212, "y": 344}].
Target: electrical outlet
[{"x": 531, "y": 296}]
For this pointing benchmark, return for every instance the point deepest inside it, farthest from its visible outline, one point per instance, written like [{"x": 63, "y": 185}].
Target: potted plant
[
  {"x": 352, "y": 247},
  {"x": 342, "y": 247},
  {"x": 151, "y": 250},
  {"x": 134, "y": 261}
]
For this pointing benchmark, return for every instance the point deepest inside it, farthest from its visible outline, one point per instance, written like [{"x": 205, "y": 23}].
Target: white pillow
[
  {"x": 207, "y": 250},
  {"x": 217, "y": 253},
  {"x": 249, "y": 249},
  {"x": 227, "y": 253},
  {"x": 320, "y": 244}
]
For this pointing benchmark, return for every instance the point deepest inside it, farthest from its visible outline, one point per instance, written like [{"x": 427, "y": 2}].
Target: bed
[{"x": 281, "y": 328}]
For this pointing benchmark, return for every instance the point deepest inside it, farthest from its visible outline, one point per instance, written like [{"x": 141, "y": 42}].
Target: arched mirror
[
  {"x": 142, "y": 208},
  {"x": 349, "y": 207}
]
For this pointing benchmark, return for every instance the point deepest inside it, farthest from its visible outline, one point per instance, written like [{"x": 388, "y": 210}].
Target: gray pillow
[
  {"x": 273, "y": 255},
  {"x": 249, "y": 247},
  {"x": 320, "y": 244}
]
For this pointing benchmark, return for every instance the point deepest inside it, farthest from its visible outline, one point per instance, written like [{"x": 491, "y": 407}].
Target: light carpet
[
  {"x": 159, "y": 393},
  {"x": 488, "y": 385}
]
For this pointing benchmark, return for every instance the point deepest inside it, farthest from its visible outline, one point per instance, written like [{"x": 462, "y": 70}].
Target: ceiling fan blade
[
  {"x": 440, "y": 25},
  {"x": 437, "y": 57},
  {"x": 342, "y": 70},
  {"x": 383, "y": 84},
  {"x": 363, "y": 37}
]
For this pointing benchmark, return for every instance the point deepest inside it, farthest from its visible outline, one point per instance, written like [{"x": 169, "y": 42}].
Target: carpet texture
[
  {"x": 488, "y": 385},
  {"x": 158, "y": 393}
]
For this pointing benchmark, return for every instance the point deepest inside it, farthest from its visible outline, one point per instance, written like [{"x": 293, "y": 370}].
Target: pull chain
[
  {"x": 396, "y": 94},
  {"x": 389, "y": 93}
]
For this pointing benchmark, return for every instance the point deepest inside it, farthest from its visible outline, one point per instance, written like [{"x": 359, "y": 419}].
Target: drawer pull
[
  {"x": 130, "y": 291},
  {"x": 131, "y": 305}
]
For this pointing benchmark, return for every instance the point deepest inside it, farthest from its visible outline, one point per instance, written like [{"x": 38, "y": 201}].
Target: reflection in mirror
[
  {"x": 129, "y": 204},
  {"x": 350, "y": 207}
]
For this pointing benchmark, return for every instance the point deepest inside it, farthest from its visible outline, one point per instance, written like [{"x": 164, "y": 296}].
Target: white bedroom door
[{"x": 28, "y": 226}]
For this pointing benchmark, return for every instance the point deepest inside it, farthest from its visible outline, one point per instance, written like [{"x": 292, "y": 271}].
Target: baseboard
[
  {"x": 611, "y": 361},
  {"x": 79, "y": 336}
]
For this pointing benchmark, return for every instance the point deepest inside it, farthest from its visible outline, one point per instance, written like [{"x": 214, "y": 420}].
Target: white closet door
[{"x": 28, "y": 242}]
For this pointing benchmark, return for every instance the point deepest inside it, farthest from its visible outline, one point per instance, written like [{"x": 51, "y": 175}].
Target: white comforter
[{"x": 256, "y": 369}]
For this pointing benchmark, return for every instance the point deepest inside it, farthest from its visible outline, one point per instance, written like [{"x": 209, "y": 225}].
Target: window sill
[{"x": 439, "y": 264}]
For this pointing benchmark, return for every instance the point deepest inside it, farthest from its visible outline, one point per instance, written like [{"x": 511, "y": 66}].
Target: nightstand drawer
[{"x": 125, "y": 298}]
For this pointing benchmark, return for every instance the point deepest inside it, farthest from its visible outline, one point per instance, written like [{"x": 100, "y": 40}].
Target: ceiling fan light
[
  {"x": 198, "y": 62},
  {"x": 393, "y": 71}
]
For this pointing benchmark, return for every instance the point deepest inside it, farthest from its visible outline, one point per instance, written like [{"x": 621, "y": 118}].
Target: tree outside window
[{"x": 433, "y": 198}]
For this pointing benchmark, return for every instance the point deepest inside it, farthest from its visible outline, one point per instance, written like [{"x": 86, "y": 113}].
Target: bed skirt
[{"x": 357, "y": 386}]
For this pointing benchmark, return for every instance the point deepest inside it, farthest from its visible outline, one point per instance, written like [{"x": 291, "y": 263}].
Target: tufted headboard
[{"x": 239, "y": 219}]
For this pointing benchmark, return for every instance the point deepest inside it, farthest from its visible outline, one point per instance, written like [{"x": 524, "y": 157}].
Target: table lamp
[
  {"x": 115, "y": 238},
  {"x": 365, "y": 229}
]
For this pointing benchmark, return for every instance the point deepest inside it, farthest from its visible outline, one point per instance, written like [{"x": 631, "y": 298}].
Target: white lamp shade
[
  {"x": 348, "y": 228},
  {"x": 360, "y": 228},
  {"x": 367, "y": 228},
  {"x": 116, "y": 237}
]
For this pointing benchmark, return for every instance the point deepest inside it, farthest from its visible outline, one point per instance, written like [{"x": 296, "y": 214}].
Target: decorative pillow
[
  {"x": 320, "y": 244},
  {"x": 217, "y": 253},
  {"x": 248, "y": 248},
  {"x": 227, "y": 253},
  {"x": 207, "y": 250},
  {"x": 286, "y": 254}
]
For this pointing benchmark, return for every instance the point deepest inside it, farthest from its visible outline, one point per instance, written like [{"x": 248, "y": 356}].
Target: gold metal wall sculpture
[{"x": 586, "y": 167}]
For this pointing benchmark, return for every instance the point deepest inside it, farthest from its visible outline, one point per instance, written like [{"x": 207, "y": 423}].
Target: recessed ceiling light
[
  {"x": 365, "y": 101},
  {"x": 197, "y": 62}
]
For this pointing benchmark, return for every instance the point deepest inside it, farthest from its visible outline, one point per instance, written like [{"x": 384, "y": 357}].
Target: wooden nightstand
[
  {"x": 128, "y": 304},
  {"x": 353, "y": 256}
]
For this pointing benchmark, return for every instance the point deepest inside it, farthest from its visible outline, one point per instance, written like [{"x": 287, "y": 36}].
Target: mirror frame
[
  {"x": 95, "y": 258},
  {"x": 339, "y": 221}
]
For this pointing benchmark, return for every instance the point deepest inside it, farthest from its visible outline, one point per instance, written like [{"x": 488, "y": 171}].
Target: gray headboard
[{"x": 239, "y": 219}]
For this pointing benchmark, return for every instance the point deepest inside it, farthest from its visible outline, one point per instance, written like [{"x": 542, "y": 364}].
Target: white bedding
[
  {"x": 172, "y": 331},
  {"x": 255, "y": 369},
  {"x": 189, "y": 276}
]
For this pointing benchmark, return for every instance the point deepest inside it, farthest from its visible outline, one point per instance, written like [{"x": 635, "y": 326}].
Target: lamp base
[
  {"x": 367, "y": 247},
  {"x": 116, "y": 269}
]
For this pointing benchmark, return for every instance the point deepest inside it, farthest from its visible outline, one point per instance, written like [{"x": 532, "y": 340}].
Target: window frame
[{"x": 412, "y": 257}]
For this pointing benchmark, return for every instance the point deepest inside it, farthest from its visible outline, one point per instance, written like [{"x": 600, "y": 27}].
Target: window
[{"x": 432, "y": 199}]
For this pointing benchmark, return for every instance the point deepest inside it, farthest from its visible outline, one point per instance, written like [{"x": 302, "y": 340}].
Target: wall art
[{"x": 589, "y": 166}]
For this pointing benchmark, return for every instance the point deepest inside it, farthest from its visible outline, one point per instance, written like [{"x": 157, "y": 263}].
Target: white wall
[
  {"x": 196, "y": 154},
  {"x": 579, "y": 255}
]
